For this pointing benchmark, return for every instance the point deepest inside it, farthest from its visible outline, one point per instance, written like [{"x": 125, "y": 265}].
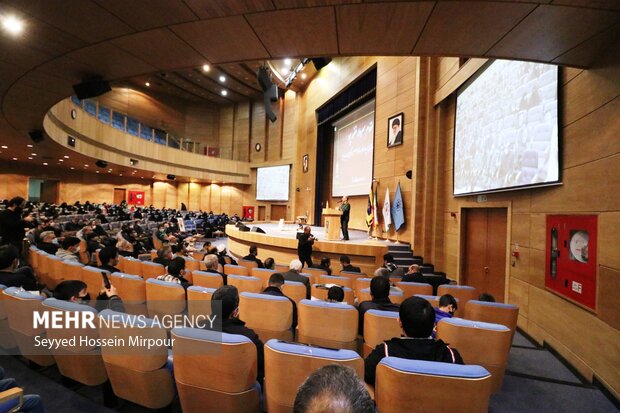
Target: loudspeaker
[
  {"x": 267, "y": 103},
  {"x": 409, "y": 174},
  {"x": 320, "y": 62},
  {"x": 101, "y": 164},
  {"x": 257, "y": 229},
  {"x": 264, "y": 80},
  {"x": 91, "y": 88},
  {"x": 244, "y": 228},
  {"x": 36, "y": 136},
  {"x": 71, "y": 141},
  {"x": 171, "y": 177}
]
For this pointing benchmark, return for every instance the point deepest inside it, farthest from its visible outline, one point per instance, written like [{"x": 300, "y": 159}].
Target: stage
[{"x": 281, "y": 245}]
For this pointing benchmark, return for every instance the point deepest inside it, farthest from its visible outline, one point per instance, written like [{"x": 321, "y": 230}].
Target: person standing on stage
[
  {"x": 345, "y": 207},
  {"x": 12, "y": 225},
  {"x": 304, "y": 247}
]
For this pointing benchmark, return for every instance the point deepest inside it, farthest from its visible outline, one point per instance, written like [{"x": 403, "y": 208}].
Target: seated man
[
  {"x": 486, "y": 297},
  {"x": 231, "y": 324},
  {"x": 109, "y": 259},
  {"x": 345, "y": 262},
  {"x": 333, "y": 388},
  {"x": 253, "y": 256},
  {"x": 164, "y": 256},
  {"x": 49, "y": 242},
  {"x": 31, "y": 403},
  {"x": 276, "y": 281},
  {"x": 69, "y": 249},
  {"x": 335, "y": 294},
  {"x": 380, "y": 292},
  {"x": 324, "y": 265},
  {"x": 446, "y": 309},
  {"x": 270, "y": 264},
  {"x": 383, "y": 272},
  {"x": 221, "y": 255},
  {"x": 413, "y": 275},
  {"x": 294, "y": 274},
  {"x": 175, "y": 272},
  {"x": 212, "y": 263},
  {"x": 388, "y": 263},
  {"x": 416, "y": 319},
  {"x": 76, "y": 292},
  {"x": 10, "y": 275}
]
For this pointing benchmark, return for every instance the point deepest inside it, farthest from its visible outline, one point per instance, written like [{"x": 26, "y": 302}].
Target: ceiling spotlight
[
  {"x": 14, "y": 159},
  {"x": 29, "y": 146},
  {"x": 303, "y": 75},
  {"x": 5, "y": 147},
  {"x": 66, "y": 156},
  {"x": 31, "y": 158},
  {"x": 72, "y": 168},
  {"x": 222, "y": 78},
  {"x": 61, "y": 160},
  {"x": 206, "y": 68},
  {"x": 224, "y": 92},
  {"x": 33, "y": 154},
  {"x": 147, "y": 84},
  {"x": 287, "y": 61},
  {"x": 96, "y": 171},
  {"x": 85, "y": 165},
  {"x": 45, "y": 163},
  {"x": 12, "y": 25}
]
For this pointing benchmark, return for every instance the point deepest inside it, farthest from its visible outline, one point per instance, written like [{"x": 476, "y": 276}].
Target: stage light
[
  {"x": 148, "y": 84},
  {"x": 224, "y": 93},
  {"x": 12, "y": 25},
  {"x": 222, "y": 78},
  {"x": 206, "y": 68}
]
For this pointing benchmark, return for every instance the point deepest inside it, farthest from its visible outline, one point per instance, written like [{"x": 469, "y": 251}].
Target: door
[
  {"x": 49, "y": 191},
  {"x": 119, "y": 195},
  {"x": 484, "y": 251},
  {"x": 261, "y": 213},
  {"x": 278, "y": 212}
]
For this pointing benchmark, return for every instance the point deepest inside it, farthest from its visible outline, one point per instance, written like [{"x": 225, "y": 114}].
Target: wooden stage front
[{"x": 282, "y": 247}]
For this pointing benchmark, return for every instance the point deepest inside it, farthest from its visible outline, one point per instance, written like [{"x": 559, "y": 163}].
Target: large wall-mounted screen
[
  {"x": 353, "y": 152},
  {"x": 506, "y": 129},
  {"x": 272, "y": 183}
]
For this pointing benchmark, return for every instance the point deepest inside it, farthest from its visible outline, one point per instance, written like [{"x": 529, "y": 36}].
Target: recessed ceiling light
[
  {"x": 206, "y": 68},
  {"x": 284, "y": 70},
  {"x": 33, "y": 154},
  {"x": 303, "y": 75},
  {"x": 31, "y": 158},
  {"x": 222, "y": 78},
  {"x": 5, "y": 147},
  {"x": 147, "y": 84},
  {"x": 72, "y": 168},
  {"x": 287, "y": 61},
  {"x": 96, "y": 171},
  {"x": 14, "y": 159},
  {"x": 85, "y": 165},
  {"x": 30, "y": 146},
  {"x": 66, "y": 156},
  {"x": 224, "y": 93},
  {"x": 12, "y": 25},
  {"x": 120, "y": 174},
  {"x": 61, "y": 160},
  {"x": 45, "y": 163}
]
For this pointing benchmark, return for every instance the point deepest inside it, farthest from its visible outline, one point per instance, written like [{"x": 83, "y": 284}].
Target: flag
[
  {"x": 398, "y": 209},
  {"x": 375, "y": 212},
  {"x": 387, "y": 218},
  {"x": 369, "y": 211}
]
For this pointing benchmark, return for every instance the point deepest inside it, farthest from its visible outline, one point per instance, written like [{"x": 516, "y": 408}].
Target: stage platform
[{"x": 281, "y": 245}]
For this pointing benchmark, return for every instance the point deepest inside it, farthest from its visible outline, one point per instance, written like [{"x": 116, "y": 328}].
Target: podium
[{"x": 332, "y": 223}]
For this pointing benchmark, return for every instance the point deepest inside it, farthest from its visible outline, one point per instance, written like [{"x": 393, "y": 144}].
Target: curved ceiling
[{"x": 65, "y": 41}]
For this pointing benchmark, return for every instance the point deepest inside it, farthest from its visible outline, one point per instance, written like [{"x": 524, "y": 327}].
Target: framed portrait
[
  {"x": 395, "y": 130},
  {"x": 305, "y": 162}
]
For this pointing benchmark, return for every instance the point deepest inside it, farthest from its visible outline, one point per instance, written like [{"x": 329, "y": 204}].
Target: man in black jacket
[
  {"x": 294, "y": 274},
  {"x": 252, "y": 256},
  {"x": 10, "y": 276},
  {"x": 304, "y": 247},
  {"x": 345, "y": 262},
  {"x": 212, "y": 262},
  {"x": 414, "y": 275},
  {"x": 380, "y": 292},
  {"x": 109, "y": 259},
  {"x": 12, "y": 226},
  {"x": 231, "y": 324},
  {"x": 276, "y": 281},
  {"x": 416, "y": 319}
]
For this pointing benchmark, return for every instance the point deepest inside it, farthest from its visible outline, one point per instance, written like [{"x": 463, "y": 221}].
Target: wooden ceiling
[{"x": 166, "y": 42}]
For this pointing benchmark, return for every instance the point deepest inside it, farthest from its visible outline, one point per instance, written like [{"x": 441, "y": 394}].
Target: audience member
[
  {"x": 228, "y": 295},
  {"x": 13, "y": 225},
  {"x": 69, "y": 249},
  {"x": 31, "y": 402},
  {"x": 335, "y": 294},
  {"x": 270, "y": 264},
  {"x": 10, "y": 275},
  {"x": 304, "y": 247},
  {"x": 252, "y": 256},
  {"x": 49, "y": 242},
  {"x": 164, "y": 255},
  {"x": 108, "y": 256},
  {"x": 335, "y": 389},
  {"x": 345, "y": 262},
  {"x": 222, "y": 256},
  {"x": 212, "y": 264},
  {"x": 76, "y": 291},
  {"x": 416, "y": 319},
  {"x": 324, "y": 265},
  {"x": 294, "y": 274},
  {"x": 175, "y": 272},
  {"x": 446, "y": 309},
  {"x": 380, "y": 292},
  {"x": 413, "y": 275},
  {"x": 276, "y": 281},
  {"x": 486, "y": 297},
  {"x": 388, "y": 263}
]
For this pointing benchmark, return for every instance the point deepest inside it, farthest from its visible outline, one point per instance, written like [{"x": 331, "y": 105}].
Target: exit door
[{"x": 484, "y": 251}]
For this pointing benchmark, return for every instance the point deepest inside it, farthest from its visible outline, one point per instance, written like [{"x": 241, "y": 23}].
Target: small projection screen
[
  {"x": 272, "y": 183},
  {"x": 506, "y": 129},
  {"x": 353, "y": 152}
]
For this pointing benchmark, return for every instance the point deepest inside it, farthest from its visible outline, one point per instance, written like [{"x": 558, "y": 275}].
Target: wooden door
[
  {"x": 278, "y": 212},
  {"x": 484, "y": 252},
  {"x": 261, "y": 213},
  {"x": 49, "y": 192},
  {"x": 119, "y": 195}
]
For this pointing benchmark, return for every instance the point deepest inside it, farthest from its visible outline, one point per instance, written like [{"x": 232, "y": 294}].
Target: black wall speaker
[
  {"x": 244, "y": 228},
  {"x": 320, "y": 62},
  {"x": 409, "y": 174},
  {"x": 101, "y": 164},
  {"x": 36, "y": 136},
  {"x": 91, "y": 88},
  {"x": 257, "y": 229},
  {"x": 267, "y": 96},
  {"x": 264, "y": 80},
  {"x": 171, "y": 177}
]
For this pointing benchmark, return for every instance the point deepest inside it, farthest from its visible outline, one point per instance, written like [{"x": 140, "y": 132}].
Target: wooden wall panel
[
  {"x": 226, "y": 131},
  {"x": 241, "y": 132}
]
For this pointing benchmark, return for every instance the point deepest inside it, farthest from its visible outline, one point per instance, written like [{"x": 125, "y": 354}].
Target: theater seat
[
  {"x": 207, "y": 279},
  {"x": 410, "y": 288},
  {"x": 327, "y": 324},
  {"x": 248, "y": 264},
  {"x": 431, "y": 387},
  {"x": 164, "y": 297},
  {"x": 315, "y": 274},
  {"x": 463, "y": 293},
  {"x": 379, "y": 326},
  {"x": 364, "y": 295},
  {"x": 245, "y": 283},
  {"x": 6, "y": 338},
  {"x": 433, "y": 299},
  {"x": 295, "y": 290},
  {"x": 498, "y": 313},
  {"x": 236, "y": 270},
  {"x": 82, "y": 362},
  {"x": 199, "y": 300},
  {"x": 330, "y": 279},
  {"x": 480, "y": 343},
  {"x": 215, "y": 372},
  {"x": 360, "y": 284},
  {"x": 139, "y": 374},
  {"x": 151, "y": 269},
  {"x": 132, "y": 289},
  {"x": 263, "y": 275},
  {"x": 321, "y": 294},
  {"x": 93, "y": 279},
  {"x": 11, "y": 400},
  {"x": 131, "y": 266},
  {"x": 281, "y": 267},
  {"x": 269, "y": 316},
  {"x": 192, "y": 264},
  {"x": 287, "y": 365}
]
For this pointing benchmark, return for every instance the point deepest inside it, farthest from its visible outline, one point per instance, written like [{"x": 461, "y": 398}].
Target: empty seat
[
  {"x": 431, "y": 386},
  {"x": 263, "y": 275},
  {"x": 207, "y": 279},
  {"x": 140, "y": 374},
  {"x": 433, "y": 299},
  {"x": 192, "y": 264},
  {"x": 93, "y": 279},
  {"x": 280, "y": 267},
  {"x": 245, "y": 283},
  {"x": 480, "y": 343},
  {"x": 215, "y": 372},
  {"x": 295, "y": 290},
  {"x": 321, "y": 294},
  {"x": 410, "y": 288},
  {"x": 360, "y": 284},
  {"x": 81, "y": 362},
  {"x": 131, "y": 266},
  {"x": 199, "y": 300},
  {"x": 379, "y": 326},
  {"x": 269, "y": 316},
  {"x": 151, "y": 269},
  {"x": 132, "y": 289},
  {"x": 314, "y": 273},
  {"x": 248, "y": 264},
  {"x": 164, "y": 297},
  {"x": 287, "y": 365},
  {"x": 327, "y": 324},
  {"x": 236, "y": 270},
  {"x": 463, "y": 293},
  {"x": 6, "y": 338},
  {"x": 498, "y": 313},
  {"x": 330, "y": 279}
]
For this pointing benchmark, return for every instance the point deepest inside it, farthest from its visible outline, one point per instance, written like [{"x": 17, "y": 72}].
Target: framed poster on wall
[{"x": 135, "y": 198}]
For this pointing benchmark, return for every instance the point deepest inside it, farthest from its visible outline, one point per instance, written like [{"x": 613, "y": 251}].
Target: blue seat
[{"x": 327, "y": 324}]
